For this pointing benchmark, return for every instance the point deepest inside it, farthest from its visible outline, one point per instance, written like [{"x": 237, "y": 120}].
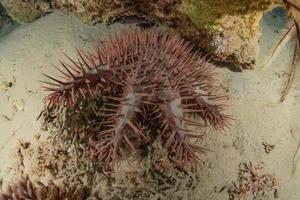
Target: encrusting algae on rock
[
  {"x": 25, "y": 11},
  {"x": 227, "y": 29},
  {"x": 207, "y": 13}
]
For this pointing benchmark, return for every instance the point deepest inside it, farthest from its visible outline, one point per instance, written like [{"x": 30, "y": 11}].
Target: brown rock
[{"x": 23, "y": 11}]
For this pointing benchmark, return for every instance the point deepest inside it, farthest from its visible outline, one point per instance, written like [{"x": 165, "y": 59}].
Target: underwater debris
[
  {"x": 252, "y": 182},
  {"x": 294, "y": 9},
  {"x": 268, "y": 147}
]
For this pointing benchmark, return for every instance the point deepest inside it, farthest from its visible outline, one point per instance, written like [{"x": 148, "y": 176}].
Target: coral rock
[
  {"x": 227, "y": 29},
  {"x": 89, "y": 11},
  {"x": 231, "y": 27},
  {"x": 25, "y": 11}
]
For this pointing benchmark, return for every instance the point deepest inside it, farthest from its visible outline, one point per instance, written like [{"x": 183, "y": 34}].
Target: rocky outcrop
[
  {"x": 25, "y": 10},
  {"x": 227, "y": 29},
  {"x": 89, "y": 11}
]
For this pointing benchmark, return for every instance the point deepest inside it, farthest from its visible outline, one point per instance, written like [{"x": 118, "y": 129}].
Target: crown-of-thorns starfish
[
  {"x": 25, "y": 189},
  {"x": 143, "y": 77}
]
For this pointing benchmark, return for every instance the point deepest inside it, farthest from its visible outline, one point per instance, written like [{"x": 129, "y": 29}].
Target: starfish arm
[
  {"x": 81, "y": 79},
  {"x": 120, "y": 125},
  {"x": 176, "y": 136},
  {"x": 206, "y": 106}
]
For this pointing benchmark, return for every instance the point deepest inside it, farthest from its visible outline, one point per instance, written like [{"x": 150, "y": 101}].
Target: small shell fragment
[
  {"x": 19, "y": 105},
  {"x": 4, "y": 85}
]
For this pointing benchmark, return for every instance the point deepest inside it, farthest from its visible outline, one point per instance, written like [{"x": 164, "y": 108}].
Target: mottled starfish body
[{"x": 143, "y": 77}]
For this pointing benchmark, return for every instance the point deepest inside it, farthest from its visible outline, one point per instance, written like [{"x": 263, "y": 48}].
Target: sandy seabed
[{"x": 261, "y": 121}]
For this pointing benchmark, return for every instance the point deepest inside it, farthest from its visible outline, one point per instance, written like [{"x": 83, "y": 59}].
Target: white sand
[{"x": 30, "y": 49}]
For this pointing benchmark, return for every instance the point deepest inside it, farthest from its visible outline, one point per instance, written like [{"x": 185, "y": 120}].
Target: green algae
[{"x": 208, "y": 14}]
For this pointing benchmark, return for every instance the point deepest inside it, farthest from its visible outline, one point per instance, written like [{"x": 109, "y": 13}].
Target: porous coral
[
  {"x": 72, "y": 165},
  {"x": 90, "y": 12},
  {"x": 147, "y": 81}
]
